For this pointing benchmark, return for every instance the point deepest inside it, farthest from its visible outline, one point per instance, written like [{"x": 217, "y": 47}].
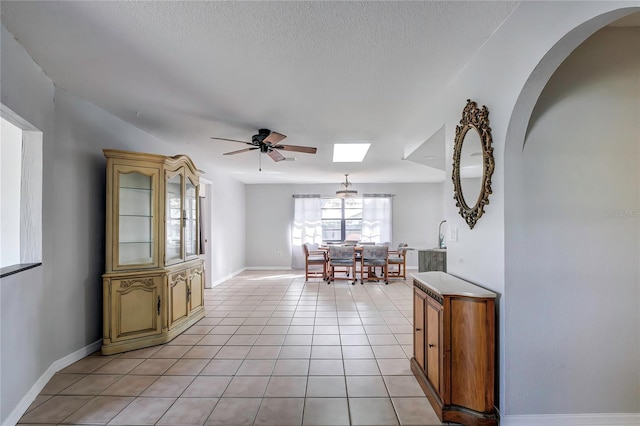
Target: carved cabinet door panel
[
  {"x": 178, "y": 294},
  {"x": 135, "y": 307},
  {"x": 196, "y": 288}
]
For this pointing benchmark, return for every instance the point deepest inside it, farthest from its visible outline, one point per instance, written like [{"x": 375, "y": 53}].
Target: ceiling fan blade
[
  {"x": 274, "y": 138},
  {"x": 232, "y": 140},
  {"x": 239, "y": 151},
  {"x": 307, "y": 149},
  {"x": 275, "y": 155}
]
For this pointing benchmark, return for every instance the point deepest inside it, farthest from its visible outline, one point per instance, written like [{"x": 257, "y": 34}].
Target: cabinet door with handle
[
  {"x": 434, "y": 347},
  {"x": 419, "y": 301},
  {"x": 135, "y": 307}
]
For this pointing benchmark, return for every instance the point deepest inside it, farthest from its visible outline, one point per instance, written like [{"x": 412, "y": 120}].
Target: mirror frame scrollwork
[{"x": 473, "y": 118}]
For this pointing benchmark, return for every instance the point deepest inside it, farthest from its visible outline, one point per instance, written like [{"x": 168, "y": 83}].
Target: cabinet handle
[
  {"x": 418, "y": 329},
  {"x": 188, "y": 293},
  {"x": 158, "y": 305},
  {"x": 431, "y": 345}
]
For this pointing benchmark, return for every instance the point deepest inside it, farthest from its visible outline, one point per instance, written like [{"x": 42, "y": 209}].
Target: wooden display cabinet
[
  {"x": 153, "y": 285},
  {"x": 454, "y": 347}
]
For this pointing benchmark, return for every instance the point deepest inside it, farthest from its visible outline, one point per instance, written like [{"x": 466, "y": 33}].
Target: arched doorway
[{"x": 572, "y": 229}]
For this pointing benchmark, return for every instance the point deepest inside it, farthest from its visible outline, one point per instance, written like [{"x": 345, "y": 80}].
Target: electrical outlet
[{"x": 453, "y": 233}]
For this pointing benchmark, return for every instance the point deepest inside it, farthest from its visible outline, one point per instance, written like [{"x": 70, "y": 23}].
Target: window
[
  {"x": 341, "y": 219},
  {"x": 20, "y": 194}
]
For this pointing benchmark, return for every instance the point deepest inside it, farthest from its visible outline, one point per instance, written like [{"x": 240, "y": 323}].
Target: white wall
[
  {"x": 574, "y": 306},
  {"x": 228, "y": 226},
  {"x": 27, "y": 298},
  {"x": 417, "y": 211}
]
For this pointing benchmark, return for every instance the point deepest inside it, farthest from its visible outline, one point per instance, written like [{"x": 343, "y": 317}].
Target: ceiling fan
[{"x": 268, "y": 142}]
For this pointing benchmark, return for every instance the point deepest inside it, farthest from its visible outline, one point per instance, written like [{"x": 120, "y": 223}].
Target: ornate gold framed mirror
[{"x": 473, "y": 163}]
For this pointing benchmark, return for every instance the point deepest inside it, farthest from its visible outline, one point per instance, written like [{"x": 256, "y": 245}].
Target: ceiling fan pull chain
[{"x": 259, "y": 161}]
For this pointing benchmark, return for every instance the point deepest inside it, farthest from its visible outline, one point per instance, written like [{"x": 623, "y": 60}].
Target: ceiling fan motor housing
[{"x": 262, "y": 134}]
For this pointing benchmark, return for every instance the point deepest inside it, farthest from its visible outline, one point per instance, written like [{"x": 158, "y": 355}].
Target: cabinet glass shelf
[{"x": 133, "y": 188}]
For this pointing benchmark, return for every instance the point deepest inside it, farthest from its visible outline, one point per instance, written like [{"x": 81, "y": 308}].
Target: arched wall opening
[{"x": 571, "y": 317}]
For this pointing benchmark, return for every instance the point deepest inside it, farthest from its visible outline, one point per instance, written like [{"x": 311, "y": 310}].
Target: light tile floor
[{"x": 272, "y": 350}]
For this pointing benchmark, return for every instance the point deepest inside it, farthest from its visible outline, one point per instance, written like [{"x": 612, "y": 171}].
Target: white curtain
[
  {"x": 376, "y": 218},
  {"x": 306, "y": 228}
]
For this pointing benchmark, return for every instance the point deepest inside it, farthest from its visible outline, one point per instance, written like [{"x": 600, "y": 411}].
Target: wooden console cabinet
[
  {"x": 153, "y": 285},
  {"x": 454, "y": 347}
]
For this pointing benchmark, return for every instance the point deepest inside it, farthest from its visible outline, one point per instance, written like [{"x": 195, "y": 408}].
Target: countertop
[{"x": 448, "y": 285}]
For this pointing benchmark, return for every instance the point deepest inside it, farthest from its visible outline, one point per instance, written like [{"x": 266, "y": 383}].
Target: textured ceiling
[{"x": 319, "y": 72}]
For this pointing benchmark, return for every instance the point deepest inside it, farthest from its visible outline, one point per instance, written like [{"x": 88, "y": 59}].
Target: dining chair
[
  {"x": 342, "y": 257},
  {"x": 314, "y": 257},
  {"x": 398, "y": 258},
  {"x": 374, "y": 256}
]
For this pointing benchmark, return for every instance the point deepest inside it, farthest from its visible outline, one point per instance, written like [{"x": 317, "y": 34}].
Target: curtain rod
[{"x": 306, "y": 196}]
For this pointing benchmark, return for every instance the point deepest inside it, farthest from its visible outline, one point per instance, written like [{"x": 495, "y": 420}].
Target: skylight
[{"x": 350, "y": 152}]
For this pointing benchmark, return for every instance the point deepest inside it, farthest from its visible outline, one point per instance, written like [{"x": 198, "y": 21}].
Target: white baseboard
[
  {"x": 599, "y": 419},
  {"x": 271, "y": 268},
  {"x": 228, "y": 276},
  {"x": 56, "y": 366}
]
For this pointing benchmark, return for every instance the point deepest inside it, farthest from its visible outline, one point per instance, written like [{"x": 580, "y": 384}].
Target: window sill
[{"x": 14, "y": 269}]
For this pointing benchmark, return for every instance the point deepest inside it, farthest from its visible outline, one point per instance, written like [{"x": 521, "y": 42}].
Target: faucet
[{"x": 441, "y": 243}]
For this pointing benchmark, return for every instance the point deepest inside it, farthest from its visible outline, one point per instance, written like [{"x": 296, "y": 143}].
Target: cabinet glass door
[
  {"x": 173, "y": 250},
  {"x": 135, "y": 219},
  {"x": 191, "y": 222}
]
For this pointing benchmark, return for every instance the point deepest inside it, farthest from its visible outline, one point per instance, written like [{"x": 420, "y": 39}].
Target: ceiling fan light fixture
[{"x": 346, "y": 192}]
